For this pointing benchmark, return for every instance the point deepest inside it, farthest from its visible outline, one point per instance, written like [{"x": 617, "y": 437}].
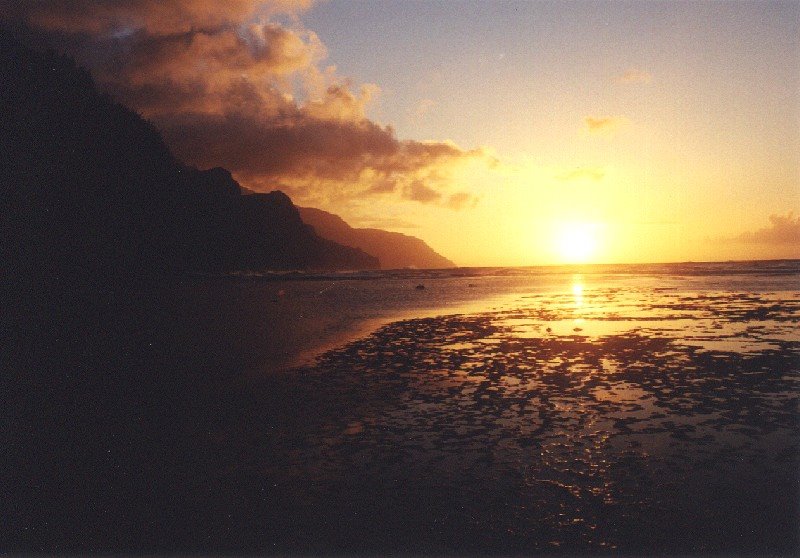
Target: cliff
[
  {"x": 394, "y": 250},
  {"x": 90, "y": 189}
]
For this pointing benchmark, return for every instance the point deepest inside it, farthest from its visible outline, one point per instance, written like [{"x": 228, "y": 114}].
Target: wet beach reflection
[{"x": 590, "y": 419}]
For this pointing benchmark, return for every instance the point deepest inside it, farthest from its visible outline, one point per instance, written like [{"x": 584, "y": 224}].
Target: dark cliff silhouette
[
  {"x": 394, "y": 250},
  {"x": 90, "y": 189},
  {"x": 106, "y": 383},
  {"x": 256, "y": 231}
]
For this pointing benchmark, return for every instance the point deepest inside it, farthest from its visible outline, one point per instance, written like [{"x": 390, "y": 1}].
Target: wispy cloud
[
  {"x": 635, "y": 76},
  {"x": 605, "y": 125},
  {"x": 460, "y": 200},
  {"x": 418, "y": 191}
]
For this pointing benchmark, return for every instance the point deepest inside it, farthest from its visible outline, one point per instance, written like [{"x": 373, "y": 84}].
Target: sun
[{"x": 577, "y": 242}]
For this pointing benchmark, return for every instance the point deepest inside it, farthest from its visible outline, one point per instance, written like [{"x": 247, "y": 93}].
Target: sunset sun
[{"x": 577, "y": 242}]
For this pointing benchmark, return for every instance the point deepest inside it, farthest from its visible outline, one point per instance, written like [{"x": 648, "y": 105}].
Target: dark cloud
[
  {"x": 783, "y": 230},
  {"x": 229, "y": 85},
  {"x": 418, "y": 191},
  {"x": 382, "y": 186},
  {"x": 299, "y": 147},
  {"x": 101, "y": 18}
]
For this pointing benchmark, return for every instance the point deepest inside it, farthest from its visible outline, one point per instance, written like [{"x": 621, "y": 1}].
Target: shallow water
[
  {"x": 581, "y": 413},
  {"x": 630, "y": 409}
]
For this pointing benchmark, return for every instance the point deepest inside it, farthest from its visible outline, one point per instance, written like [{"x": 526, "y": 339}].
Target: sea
[{"x": 598, "y": 299}]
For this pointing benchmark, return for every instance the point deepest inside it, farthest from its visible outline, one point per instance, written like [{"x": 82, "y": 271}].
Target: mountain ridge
[
  {"x": 394, "y": 250},
  {"x": 91, "y": 190}
]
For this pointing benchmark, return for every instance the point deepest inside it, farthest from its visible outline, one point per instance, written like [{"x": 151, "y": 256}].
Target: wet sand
[
  {"x": 274, "y": 326},
  {"x": 507, "y": 432},
  {"x": 588, "y": 418}
]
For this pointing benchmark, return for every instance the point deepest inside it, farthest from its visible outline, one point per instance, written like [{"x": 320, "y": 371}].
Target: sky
[{"x": 501, "y": 133}]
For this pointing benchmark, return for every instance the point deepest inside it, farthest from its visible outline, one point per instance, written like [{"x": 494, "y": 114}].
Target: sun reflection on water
[{"x": 577, "y": 290}]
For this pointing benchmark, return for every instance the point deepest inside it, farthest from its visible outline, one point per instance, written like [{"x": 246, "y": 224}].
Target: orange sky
[
  {"x": 665, "y": 131},
  {"x": 502, "y": 133}
]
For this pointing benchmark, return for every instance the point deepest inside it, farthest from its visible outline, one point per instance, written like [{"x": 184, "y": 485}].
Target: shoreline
[
  {"x": 511, "y": 441},
  {"x": 586, "y": 415},
  {"x": 289, "y": 324}
]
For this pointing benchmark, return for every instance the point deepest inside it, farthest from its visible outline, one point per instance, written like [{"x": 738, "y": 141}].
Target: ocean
[{"x": 596, "y": 298}]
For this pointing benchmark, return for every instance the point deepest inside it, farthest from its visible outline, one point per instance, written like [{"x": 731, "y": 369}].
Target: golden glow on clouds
[
  {"x": 620, "y": 144},
  {"x": 605, "y": 125}
]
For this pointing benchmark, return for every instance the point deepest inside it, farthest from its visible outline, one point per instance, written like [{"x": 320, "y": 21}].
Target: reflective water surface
[
  {"x": 645, "y": 410},
  {"x": 585, "y": 415}
]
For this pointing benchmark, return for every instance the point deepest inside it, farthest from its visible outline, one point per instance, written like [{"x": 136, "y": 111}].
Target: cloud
[
  {"x": 242, "y": 84},
  {"x": 421, "y": 193},
  {"x": 294, "y": 147},
  {"x": 209, "y": 72},
  {"x": 634, "y": 76},
  {"x": 111, "y": 18},
  {"x": 605, "y": 125},
  {"x": 587, "y": 173},
  {"x": 459, "y": 200},
  {"x": 783, "y": 230}
]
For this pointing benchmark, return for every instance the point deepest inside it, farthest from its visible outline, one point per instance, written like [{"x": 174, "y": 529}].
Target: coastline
[
  {"x": 496, "y": 431},
  {"x": 280, "y": 324},
  {"x": 549, "y": 416},
  {"x": 283, "y": 324}
]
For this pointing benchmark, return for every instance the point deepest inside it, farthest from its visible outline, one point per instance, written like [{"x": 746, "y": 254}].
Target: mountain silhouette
[
  {"x": 114, "y": 352},
  {"x": 91, "y": 190},
  {"x": 394, "y": 250},
  {"x": 255, "y": 231}
]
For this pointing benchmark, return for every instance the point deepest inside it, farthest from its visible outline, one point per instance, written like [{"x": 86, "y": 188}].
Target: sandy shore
[
  {"x": 273, "y": 326},
  {"x": 586, "y": 419}
]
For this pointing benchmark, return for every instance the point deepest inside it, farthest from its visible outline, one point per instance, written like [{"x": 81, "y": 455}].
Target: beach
[
  {"x": 492, "y": 412},
  {"x": 330, "y": 278},
  {"x": 604, "y": 415}
]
